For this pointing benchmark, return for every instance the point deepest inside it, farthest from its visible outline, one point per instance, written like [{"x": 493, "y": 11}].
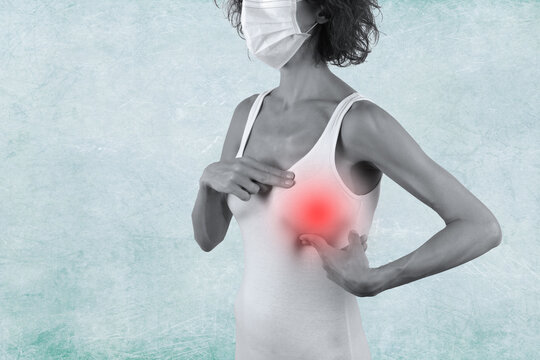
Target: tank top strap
[
  {"x": 337, "y": 120},
  {"x": 255, "y": 108}
]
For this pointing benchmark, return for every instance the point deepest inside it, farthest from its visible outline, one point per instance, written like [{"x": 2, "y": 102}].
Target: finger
[
  {"x": 263, "y": 187},
  {"x": 347, "y": 247},
  {"x": 364, "y": 242},
  {"x": 326, "y": 251},
  {"x": 265, "y": 177},
  {"x": 267, "y": 168},
  {"x": 240, "y": 193},
  {"x": 247, "y": 184},
  {"x": 355, "y": 240},
  {"x": 361, "y": 257}
]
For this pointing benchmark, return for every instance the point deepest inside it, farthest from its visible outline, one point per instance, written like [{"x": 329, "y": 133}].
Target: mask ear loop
[{"x": 311, "y": 28}]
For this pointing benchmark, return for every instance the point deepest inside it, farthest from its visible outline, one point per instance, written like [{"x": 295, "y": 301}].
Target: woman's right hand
[{"x": 244, "y": 176}]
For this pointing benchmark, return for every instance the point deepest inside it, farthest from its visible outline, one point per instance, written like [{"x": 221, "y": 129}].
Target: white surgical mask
[{"x": 271, "y": 30}]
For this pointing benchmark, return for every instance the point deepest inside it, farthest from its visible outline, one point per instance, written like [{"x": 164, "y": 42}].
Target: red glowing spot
[
  {"x": 314, "y": 207},
  {"x": 316, "y": 211}
]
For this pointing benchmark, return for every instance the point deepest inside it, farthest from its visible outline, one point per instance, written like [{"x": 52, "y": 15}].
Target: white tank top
[{"x": 286, "y": 307}]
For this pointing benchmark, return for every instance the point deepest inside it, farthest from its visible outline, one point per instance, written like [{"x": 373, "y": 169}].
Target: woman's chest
[
  {"x": 280, "y": 138},
  {"x": 316, "y": 204}
]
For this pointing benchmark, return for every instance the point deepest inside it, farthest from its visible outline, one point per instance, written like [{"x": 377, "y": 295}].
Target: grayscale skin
[{"x": 371, "y": 143}]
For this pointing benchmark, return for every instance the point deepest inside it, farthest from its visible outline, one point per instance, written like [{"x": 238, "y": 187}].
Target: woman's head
[{"x": 345, "y": 30}]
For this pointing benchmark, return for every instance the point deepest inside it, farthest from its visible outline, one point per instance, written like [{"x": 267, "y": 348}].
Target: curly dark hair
[{"x": 342, "y": 41}]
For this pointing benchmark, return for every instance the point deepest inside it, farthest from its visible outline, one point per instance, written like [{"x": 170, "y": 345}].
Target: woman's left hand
[{"x": 347, "y": 267}]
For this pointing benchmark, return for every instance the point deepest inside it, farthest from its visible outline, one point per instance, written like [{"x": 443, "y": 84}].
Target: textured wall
[{"x": 110, "y": 110}]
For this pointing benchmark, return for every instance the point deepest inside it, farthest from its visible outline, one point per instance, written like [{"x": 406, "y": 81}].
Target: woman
[{"x": 301, "y": 169}]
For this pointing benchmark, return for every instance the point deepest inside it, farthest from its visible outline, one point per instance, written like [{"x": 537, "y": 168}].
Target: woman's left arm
[{"x": 471, "y": 228}]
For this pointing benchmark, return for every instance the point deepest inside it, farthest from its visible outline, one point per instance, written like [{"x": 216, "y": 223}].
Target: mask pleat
[{"x": 271, "y": 30}]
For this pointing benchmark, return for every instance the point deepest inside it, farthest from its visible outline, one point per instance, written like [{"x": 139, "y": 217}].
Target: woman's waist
[
  {"x": 296, "y": 325},
  {"x": 292, "y": 310},
  {"x": 278, "y": 295}
]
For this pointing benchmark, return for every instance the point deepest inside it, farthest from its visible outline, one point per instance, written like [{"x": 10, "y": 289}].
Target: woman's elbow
[
  {"x": 199, "y": 234},
  {"x": 205, "y": 245},
  {"x": 494, "y": 232},
  {"x": 207, "y": 238}
]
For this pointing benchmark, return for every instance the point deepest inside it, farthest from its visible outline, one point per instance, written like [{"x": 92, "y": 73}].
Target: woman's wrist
[
  {"x": 370, "y": 283},
  {"x": 203, "y": 184},
  {"x": 383, "y": 277},
  {"x": 209, "y": 191},
  {"x": 202, "y": 180}
]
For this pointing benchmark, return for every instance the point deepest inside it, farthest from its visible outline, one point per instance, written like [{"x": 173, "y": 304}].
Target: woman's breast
[{"x": 316, "y": 204}]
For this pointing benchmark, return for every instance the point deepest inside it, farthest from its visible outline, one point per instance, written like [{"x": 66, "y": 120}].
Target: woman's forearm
[
  {"x": 460, "y": 241},
  {"x": 210, "y": 217}
]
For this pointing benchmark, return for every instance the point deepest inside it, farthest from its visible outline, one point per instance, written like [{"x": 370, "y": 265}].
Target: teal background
[{"x": 110, "y": 110}]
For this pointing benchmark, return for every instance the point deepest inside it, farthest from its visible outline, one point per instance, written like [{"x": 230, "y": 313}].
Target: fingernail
[{"x": 290, "y": 175}]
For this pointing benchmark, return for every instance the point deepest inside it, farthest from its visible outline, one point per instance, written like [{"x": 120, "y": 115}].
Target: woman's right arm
[
  {"x": 210, "y": 217},
  {"x": 242, "y": 177}
]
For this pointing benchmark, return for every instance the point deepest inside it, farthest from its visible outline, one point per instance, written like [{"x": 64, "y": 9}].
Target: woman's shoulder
[
  {"x": 241, "y": 112},
  {"x": 368, "y": 129},
  {"x": 365, "y": 116},
  {"x": 236, "y": 127},
  {"x": 244, "y": 106}
]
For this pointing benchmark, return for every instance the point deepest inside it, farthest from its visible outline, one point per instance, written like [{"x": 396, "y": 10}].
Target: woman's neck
[{"x": 302, "y": 78}]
